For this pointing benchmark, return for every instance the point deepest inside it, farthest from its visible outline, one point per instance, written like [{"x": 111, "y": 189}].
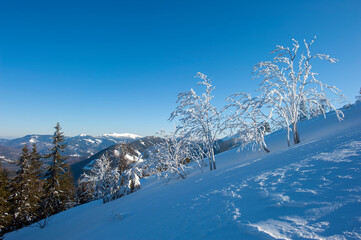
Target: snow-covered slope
[
  {"x": 309, "y": 191},
  {"x": 121, "y": 136},
  {"x": 139, "y": 146}
]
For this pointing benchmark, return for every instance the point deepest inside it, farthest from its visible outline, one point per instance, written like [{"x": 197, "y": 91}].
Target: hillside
[
  {"x": 140, "y": 145},
  {"x": 308, "y": 191},
  {"x": 78, "y": 148}
]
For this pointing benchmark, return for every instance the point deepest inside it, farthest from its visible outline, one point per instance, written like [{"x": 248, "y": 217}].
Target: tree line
[{"x": 33, "y": 195}]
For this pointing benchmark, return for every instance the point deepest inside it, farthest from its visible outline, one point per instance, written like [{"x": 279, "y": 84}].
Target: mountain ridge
[{"x": 78, "y": 147}]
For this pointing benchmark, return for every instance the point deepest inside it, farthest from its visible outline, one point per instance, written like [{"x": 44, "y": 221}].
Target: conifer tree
[
  {"x": 20, "y": 189},
  {"x": 5, "y": 206},
  {"x": 36, "y": 179},
  {"x": 26, "y": 188},
  {"x": 59, "y": 186}
]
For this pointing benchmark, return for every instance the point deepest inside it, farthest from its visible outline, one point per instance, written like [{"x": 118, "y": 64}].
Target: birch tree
[
  {"x": 198, "y": 118},
  {"x": 288, "y": 81}
]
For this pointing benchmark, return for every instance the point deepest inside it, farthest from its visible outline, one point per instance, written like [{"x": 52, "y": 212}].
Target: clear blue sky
[{"x": 117, "y": 66}]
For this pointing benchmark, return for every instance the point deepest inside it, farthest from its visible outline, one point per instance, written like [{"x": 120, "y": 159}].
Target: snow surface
[
  {"x": 33, "y": 140},
  {"x": 3, "y": 158},
  {"x": 89, "y": 166},
  {"x": 121, "y": 135},
  {"x": 309, "y": 191}
]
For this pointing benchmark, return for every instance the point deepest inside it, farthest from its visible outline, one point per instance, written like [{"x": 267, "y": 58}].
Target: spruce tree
[
  {"x": 36, "y": 179},
  {"x": 59, "y": 187},
  {"x": 26, "y": 188},
  {"x": 5, "y": 205}
]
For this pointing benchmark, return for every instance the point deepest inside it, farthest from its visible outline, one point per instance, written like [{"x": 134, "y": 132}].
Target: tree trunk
[
  {"x": 210, "y": 162},
  {"x": 265, "y": 148},
  {"x": 296, "y": 136},
  {"x": 213, "y": 159},
  {"x": 288, "y": 136}
]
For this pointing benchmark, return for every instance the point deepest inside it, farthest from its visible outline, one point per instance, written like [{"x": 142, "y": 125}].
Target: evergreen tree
[
  {"x": 27, "y": 188},
  {"x": 59, "y": 186},
  {"x": 5, "y": 206},
  {"x": 36, "y": 179}
]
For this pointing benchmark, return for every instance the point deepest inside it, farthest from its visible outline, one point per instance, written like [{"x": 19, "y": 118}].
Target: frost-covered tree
[
  {"x": 358, "y": 98},
  {"x": 129, "y": 180},
  {"x": 130, "y": 172},
  {"x": 102, "y": 178},
  {"x": 127, "y": 156},
  {"x": 303, "y": 111},
  {"x": 172, "y": 155},
  {"x": 110, "y": 180},
  {"x": 247, "y": 120},
  {"x": 84, "y": 191},
  {"x": 198, "y": 118},
  {"x": 288, "y": 81}
]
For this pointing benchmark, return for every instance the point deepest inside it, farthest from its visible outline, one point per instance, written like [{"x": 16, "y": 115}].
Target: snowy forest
[{"x": 289, "y": 92}]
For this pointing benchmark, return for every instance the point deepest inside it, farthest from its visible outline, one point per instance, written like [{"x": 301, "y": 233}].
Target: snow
[
  {"x": 116, "y": 153},
  {"x": 131, "y": 158},
  {"x": 89, "y": 140},
  {"x": 311, "y": 190},
  {"x": 89, "y": 166},
  {"x": 3, "y": 158},
  {"x": 122, "y": 135},
  {"x": 75, "y": 155}
]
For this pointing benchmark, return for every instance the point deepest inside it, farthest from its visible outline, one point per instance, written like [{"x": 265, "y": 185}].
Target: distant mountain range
[
  {"x": 78, "y": 148},
  {"x": 84, "y": 149}
]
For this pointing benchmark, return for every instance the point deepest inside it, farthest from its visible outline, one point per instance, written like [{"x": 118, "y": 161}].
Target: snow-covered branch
[
  {"x": 292, "y": 90},
  {"x": 197, "y": 117}
]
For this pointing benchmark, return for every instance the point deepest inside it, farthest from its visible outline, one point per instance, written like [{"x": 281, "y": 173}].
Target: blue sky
[{"x": 117, "y": 66}]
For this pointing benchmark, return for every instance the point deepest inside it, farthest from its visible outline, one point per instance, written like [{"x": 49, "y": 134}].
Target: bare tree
[
  {"x": 247, "y": 120},
  {"x": 198, "y": 118},
  {"x": 358, "y": 98},
  {"x": 103, "y": 178},
  {"x": 172, "y": 155},
  {"x": 289, "y": 82}
]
